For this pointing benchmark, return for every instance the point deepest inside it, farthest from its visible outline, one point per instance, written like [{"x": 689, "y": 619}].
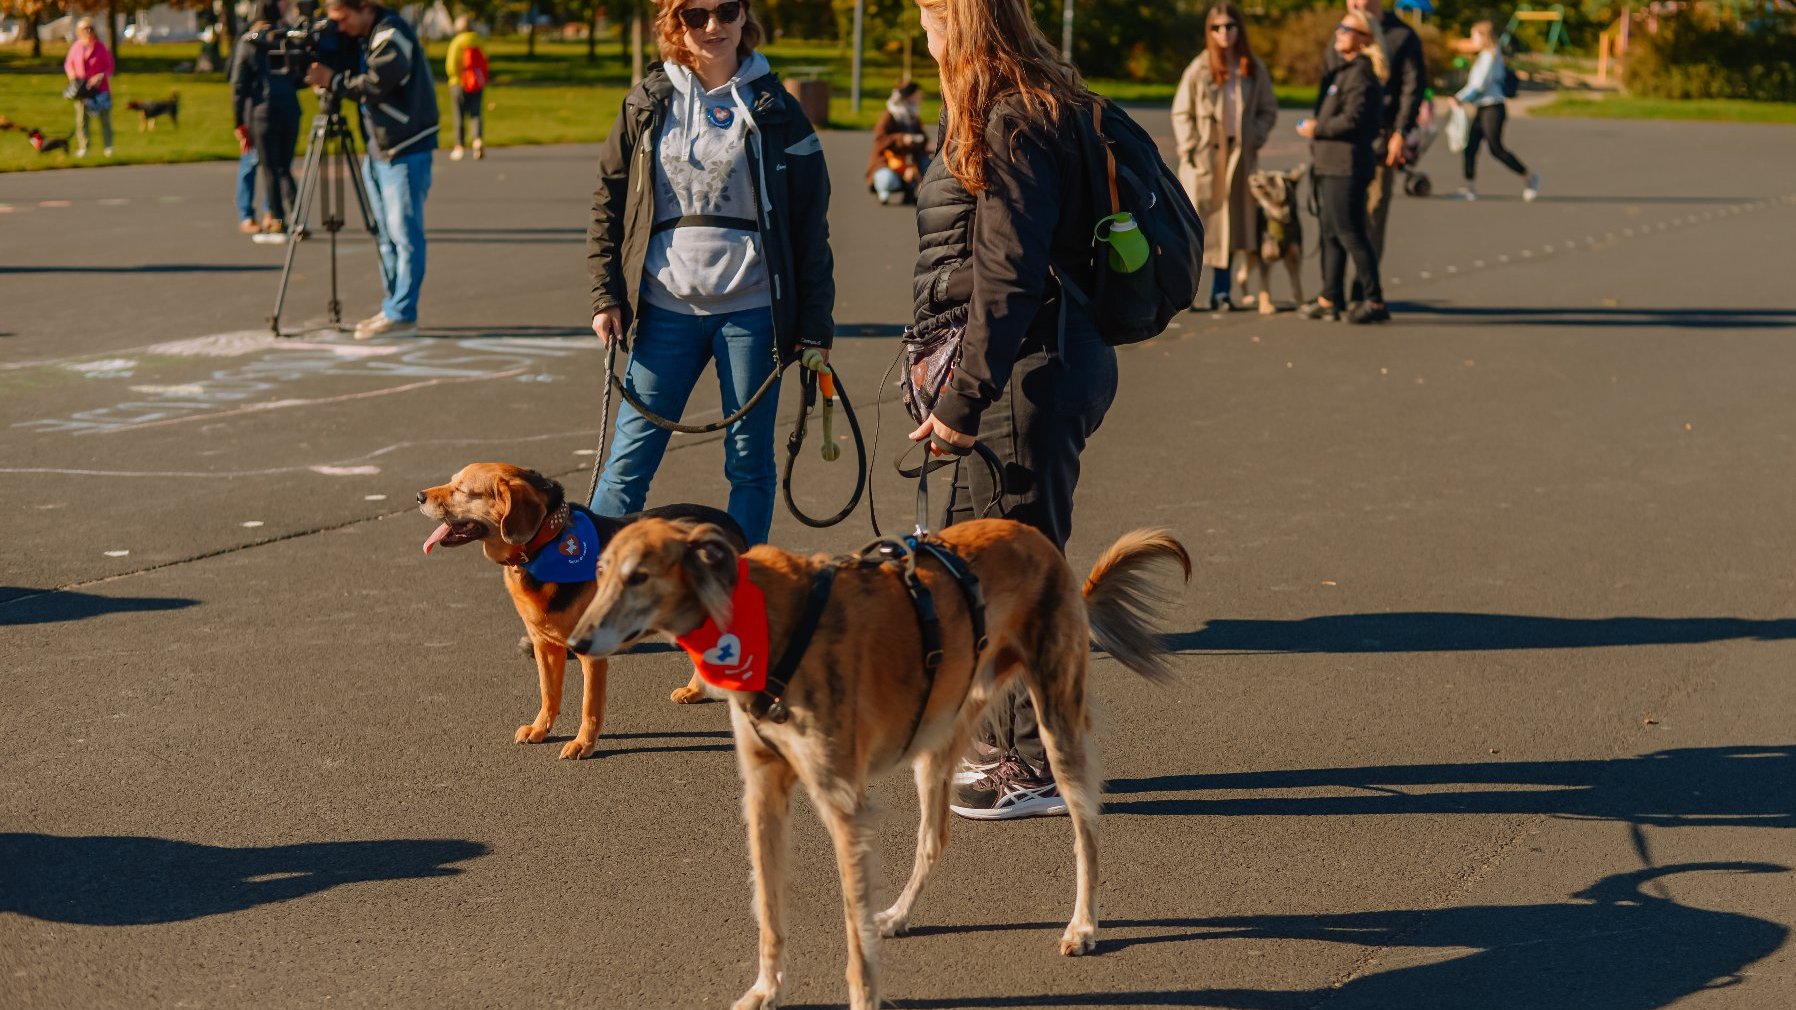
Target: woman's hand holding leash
[
  {"x": 609, "y": 325},
  {"x": 932, "y": 426}
]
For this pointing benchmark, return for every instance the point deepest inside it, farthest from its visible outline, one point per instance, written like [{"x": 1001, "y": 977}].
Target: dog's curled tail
[{"x": 1123, "y": 602}]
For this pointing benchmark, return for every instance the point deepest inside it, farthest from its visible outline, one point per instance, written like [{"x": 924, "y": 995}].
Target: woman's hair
[
  {"x": 1381, "y": 64},
  {"x": 1490, "y": 34},
  {"x": 996, "y": 51},
  {"x": 354, "y": 5},
  {"x": 1239, "y": 55},
  {"x": 85, "y": 24},
  {"x": 673, "y": 33}
]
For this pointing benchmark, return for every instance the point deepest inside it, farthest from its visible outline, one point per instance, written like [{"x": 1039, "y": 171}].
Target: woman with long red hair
[
  {"x": 1005, "y": 207},
  {"x": 1222, "y": 115}
]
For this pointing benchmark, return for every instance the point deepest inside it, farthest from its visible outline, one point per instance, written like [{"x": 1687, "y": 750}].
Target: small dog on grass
[
  {"x": 149, "y": 112},
  {"x": 1278, "y": 234},
  {"x": 41, "y": 143}
]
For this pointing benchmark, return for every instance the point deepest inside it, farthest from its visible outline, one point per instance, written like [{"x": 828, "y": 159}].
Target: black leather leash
[{"x": 770, "y": 703}]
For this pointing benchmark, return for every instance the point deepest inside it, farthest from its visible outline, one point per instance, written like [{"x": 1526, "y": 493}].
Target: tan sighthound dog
[
  {"x": 861, "y": 688},
  {"x": 515, "y": 514}
]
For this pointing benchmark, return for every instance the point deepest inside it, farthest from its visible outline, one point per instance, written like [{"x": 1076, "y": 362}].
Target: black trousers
[
  {"x": 1345, "y": 234},
  {"x": 1052, "y": 405},
  {"x": 1487, "y": 126},
  {"x": 275, "y": 132}
]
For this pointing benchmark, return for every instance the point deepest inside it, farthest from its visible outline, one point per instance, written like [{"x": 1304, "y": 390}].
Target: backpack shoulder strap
[{"x": 1097, "y": 122}]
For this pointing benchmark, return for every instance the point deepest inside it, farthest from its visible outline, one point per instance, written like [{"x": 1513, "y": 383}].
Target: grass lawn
[
  {"x": 1725, "y": 110},
  {"x": 556, "y": 97}
]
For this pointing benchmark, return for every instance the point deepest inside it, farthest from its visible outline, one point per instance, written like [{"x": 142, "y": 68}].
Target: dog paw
[
  {"x": 529, "y": 733},
  {"x": 687, "y": 695},
  {"x": 757, "y": 999},
  {"x": 891, "y": 923},
  {"x": 576, "y": 749},
  {"x": 1078, "y": 940}
]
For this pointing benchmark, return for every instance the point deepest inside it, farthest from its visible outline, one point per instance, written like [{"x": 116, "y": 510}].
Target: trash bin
[{"x": 813, "y": 98}]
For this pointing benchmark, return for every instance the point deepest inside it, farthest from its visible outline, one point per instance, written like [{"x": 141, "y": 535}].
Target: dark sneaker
[
  {"x": 980, "y": 760},
  {"x": 1009, "y": 791},
  {"x": 1369, "y": 312},
  {"x": 1317, "y": 310}
]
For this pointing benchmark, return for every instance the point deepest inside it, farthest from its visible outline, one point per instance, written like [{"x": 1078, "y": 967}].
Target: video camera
[{"x": 293, "y": 50}]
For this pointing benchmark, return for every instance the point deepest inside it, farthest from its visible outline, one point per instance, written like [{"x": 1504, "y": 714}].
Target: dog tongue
[{"x": 436, "y": 537}]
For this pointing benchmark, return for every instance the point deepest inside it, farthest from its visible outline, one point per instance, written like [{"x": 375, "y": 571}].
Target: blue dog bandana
[{"x": 571, "y": 557}]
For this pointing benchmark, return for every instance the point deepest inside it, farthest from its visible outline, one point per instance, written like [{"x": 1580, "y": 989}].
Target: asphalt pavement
[{"x": 1484, "y": 696}]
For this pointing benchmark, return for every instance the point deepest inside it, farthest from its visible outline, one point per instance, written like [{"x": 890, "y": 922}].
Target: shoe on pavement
[
  {"x": 1532, "y": 191},
  {"x": 378, "y": 325},
  {"x": 1317, "y": 310},
  {"x": 980, "y": 760},
  {"x": 456, "y": 154},
  {"x": 1467, "y": 193},
  {"x": 1368, "y": 312},
  {"x": 272, "y": 233},
  {"x": 1012, "y": 790},
  {"x": 248, "y": 226}
]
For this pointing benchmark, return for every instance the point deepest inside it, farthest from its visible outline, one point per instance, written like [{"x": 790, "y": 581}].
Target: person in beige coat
[{"x": 1222, "y": 115}]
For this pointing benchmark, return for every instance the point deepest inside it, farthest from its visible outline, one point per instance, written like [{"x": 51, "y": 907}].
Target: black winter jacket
[
  {"x": 395, "y": 90},
  {"x": 984, "y": 260},
  {"x": 255, "y": 87},
  {"x": 1347, "y": 125},
  {"x": 1409, "y": 73},
  {"x": 794, "y": 230}
]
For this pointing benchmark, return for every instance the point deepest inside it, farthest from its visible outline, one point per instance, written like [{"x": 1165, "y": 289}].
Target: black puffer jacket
[
  {"x": 984, "y": 259},
  {"x": 1348, "y": 108}
]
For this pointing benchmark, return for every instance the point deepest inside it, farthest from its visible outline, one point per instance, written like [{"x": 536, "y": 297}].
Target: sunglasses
[
  {"x": 696, "y": 18},
  {"x": 1346, "y": 29},
  {"x": 1225, "y": 26}
]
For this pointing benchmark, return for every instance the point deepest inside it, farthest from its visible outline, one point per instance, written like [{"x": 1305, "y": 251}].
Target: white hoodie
[{"x": 702, "y": 172}]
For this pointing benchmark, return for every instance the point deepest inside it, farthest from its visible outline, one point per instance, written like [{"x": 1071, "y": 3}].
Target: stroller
[{"x": 1420, "y": 139}]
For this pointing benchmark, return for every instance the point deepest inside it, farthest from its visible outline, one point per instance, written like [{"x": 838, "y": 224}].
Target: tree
[{"x": 33, "y": 13}]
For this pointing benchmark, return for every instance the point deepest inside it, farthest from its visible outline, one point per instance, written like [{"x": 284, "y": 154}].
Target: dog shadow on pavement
[
  {"x": 123, "y": 880},
  {"x": 1613, "y": 946},
  {"x": 1424, "y": 631}
]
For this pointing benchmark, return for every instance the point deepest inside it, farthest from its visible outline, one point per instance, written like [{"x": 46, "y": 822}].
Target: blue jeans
[
  {"x": 670, "y": 352},
  {"x": 396, "y": 192},
  {"x": 246, "y": 186},
  {"x": 887, "y": 182}
]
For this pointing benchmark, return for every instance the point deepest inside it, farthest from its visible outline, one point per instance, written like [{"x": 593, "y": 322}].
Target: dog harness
[{"x": 735, "y": 657}]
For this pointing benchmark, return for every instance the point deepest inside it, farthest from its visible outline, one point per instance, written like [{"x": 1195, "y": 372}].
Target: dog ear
[
  {"x": 710, "y": 565},
  {"x": 521, "y": 510}
]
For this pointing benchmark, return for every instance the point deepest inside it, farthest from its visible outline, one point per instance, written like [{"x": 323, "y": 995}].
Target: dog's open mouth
[{"x": 455, "y": 533}]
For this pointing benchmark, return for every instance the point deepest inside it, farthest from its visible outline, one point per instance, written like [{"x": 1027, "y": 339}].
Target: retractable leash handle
[{"x": 826, "y": 385}]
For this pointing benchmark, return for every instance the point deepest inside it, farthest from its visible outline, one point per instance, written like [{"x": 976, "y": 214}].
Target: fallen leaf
[{"x": 1651, "y": 720}]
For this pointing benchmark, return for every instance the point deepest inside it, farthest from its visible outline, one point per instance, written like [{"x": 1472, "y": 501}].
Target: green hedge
[{"x": 1715, "y": 54}]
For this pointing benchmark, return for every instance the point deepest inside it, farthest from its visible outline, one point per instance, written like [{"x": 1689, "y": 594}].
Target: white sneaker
[
  {"x": 106, "y": 152},
  {"x": 1467, "y": 193},
  {"x": 455, "y": 155},
  {"x": 1529, "y": 194},
  {"x": 80, "y": 152},
  {"x": 378, "y": 325}
]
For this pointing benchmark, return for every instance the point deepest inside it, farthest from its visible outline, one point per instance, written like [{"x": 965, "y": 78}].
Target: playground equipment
[{"x": 1553, "y": 16}]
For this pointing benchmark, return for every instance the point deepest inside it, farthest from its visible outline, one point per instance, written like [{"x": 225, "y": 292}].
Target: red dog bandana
[{"x": 733, "y": 658}]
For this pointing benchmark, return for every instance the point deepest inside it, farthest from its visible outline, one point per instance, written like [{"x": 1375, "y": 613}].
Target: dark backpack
[
  {"x": 1128, "y": 174},
  {"x": 1510, "y": 84}
]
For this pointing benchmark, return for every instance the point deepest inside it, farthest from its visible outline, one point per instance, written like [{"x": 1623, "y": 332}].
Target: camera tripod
[{"x": 330, "y": 158}]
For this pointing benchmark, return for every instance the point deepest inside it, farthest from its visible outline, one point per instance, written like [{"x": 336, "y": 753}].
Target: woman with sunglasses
[
  {"x": 1344, "y": 137},
  {"x": 709, "y": 242},
  {"x": 1006, "y": 201},
  {"x": 1222, "y": 115}
]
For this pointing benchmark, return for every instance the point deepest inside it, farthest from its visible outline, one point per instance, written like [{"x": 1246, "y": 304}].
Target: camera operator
[
  {"x": 399, "y": 122},
  {"x": 266, "y": 106}
]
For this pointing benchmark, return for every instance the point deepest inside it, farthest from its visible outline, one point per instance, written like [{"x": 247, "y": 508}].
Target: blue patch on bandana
[{"x": 571, "y": 557}]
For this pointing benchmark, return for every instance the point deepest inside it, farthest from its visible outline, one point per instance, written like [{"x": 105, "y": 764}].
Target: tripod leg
[{"x": 302, "y": 203}]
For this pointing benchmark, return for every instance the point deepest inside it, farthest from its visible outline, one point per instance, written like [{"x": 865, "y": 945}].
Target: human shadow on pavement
[
  {"x": 1580, "y": 316},
  {"x": 21, "y": 605},
  {"x": 1613, "y": 946},
  {"x": 1459, "y": 632},
  {"x": 148, "y": 268},
  {"x": 126, "y": 880},
  {"x": 1742, "y": 786}
]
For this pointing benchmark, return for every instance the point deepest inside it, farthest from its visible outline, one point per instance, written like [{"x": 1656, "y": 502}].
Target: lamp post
[
  {"x": 1066, "y": 32},
  {"x": 854, "y": 90}
]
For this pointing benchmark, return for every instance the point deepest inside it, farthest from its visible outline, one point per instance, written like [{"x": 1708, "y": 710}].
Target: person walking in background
[
  {"x": 1222, "y": 114},
  {"x": 709, "y": 241},
  {"x": 1007, "y": 201},
  {"x": 466, "y": 67},
  {"x": 398, "y": 102},
  {"x": 1405, "y": 88},
  {"x": 89, "y": 68},
  {"x": 1344, "y": 136},
  {"x": 1485, "y": 93},
  {"x": 265, "y": 103},
  {"x": 900, "y": 147}
]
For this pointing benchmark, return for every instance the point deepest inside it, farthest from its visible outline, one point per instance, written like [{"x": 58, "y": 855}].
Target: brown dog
[
  {"x": 859, "y": 701},
  {"x": 521, "y": 519},
  {"x": 1279, "y": 234}
]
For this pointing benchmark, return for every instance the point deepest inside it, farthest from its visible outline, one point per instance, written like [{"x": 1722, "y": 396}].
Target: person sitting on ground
[
  {"x": 466, "y": 67},
  {"x": 900, "y": 147},
  {"x": 1488, "y": 110}
]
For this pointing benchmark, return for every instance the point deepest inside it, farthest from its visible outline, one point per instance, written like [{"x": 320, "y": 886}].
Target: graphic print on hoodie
[{"x": 704, "y": 257}]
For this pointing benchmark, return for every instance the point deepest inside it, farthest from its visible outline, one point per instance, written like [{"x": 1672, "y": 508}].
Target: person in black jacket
[
  {"x": 709, "y": 241},
  {"x": 265, "y": 104},
  {"x": 1006, "y": 201},
  {"x": 1344, "y": 138},
  {"x": 1405, "y": 87}
]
